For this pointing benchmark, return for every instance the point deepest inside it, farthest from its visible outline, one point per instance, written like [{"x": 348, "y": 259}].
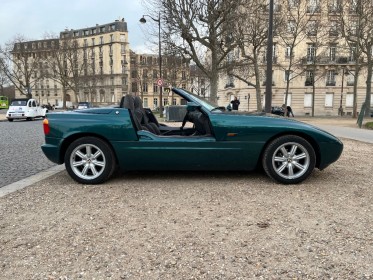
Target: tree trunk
[{"x": 369, "y": 87}]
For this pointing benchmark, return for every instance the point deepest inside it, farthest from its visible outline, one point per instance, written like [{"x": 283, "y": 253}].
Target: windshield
[
  {"x": 19, "y": 103},
  {"x": 205, "y": 103}
]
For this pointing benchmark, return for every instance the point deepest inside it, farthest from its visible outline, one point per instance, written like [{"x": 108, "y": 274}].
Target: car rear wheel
[
  {"x": 289, "y": 159},
  {"x": 10, "y": 120},
  {"x": 90, "y": 160}
]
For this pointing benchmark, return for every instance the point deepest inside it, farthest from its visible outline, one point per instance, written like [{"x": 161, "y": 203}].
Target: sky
[{"x": 34, "y": 18}]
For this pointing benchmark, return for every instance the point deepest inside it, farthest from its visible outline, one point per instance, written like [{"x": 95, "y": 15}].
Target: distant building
[{"x": 100, "y": 66}]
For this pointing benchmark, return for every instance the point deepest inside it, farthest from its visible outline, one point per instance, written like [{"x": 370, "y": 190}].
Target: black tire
[
  {"x": 90, "y": 160},
  {"x": 10, "y": 120},
  {"x": 289, "y": 159}
]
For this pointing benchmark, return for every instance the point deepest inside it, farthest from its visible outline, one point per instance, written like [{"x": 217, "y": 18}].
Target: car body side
[{"x": 237, "y": 143}]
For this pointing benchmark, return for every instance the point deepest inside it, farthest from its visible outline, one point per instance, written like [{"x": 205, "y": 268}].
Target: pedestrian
[
  {"x": 289, "y": 111},
  {"x": 235, "y": 103}
]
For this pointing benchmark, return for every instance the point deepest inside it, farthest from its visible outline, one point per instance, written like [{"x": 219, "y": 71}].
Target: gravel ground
[{"x": 194, "y": 226}]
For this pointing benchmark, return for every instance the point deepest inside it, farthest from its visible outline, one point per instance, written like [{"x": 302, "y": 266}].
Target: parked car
[
  {"x": 84, "y": 105},
  {"x": 24, "y": 108},
  {"x": 94, "y": 142},
  {"x": 277, "y": 110}
]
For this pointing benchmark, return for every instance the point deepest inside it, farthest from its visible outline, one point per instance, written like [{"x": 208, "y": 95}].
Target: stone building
[
  {"x": 323, "y": 73},
  {"x": 100, "y": 68}
]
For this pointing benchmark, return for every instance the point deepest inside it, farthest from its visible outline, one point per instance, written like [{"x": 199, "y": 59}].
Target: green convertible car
[{"x": 94, "y": 142}]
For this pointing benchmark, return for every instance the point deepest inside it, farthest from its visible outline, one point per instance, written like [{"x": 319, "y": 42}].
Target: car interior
[{"x": 144, "y": 119}]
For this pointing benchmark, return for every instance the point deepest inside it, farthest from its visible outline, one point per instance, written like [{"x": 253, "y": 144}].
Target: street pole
[
  {"x": 158, "y": 20},
  {"x": 340, "y": 103},
  {"x": 268, "y": 96}
]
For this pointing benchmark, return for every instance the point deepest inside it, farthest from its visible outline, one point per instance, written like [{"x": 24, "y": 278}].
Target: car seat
[{"x": 142, "y": 117}]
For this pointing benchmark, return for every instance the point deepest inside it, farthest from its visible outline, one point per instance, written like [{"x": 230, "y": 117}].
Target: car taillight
[{"x": 46, "y": 127}]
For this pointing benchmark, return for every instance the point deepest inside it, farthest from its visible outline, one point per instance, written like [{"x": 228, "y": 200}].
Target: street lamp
[
  {"x": 158, "y": 20},
  {"x": 340, "y": 110}
]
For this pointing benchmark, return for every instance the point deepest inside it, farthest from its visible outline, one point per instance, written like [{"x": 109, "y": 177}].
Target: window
[
  {"x": 308, "y": 100},
  {"x": 101, "y": 40},
  {"x": 329, "y": 96},
  {"x": 146, "y": 102},
  {"x": 333, "y": 31},
  {"x": 352, "y": 54},
  {"x": 288, "y": 102},
  {"x": 349, "y": 100},
  {"x": 86, "y": 32},
  {"x": 155, "y": 88},
  {"x": 313, "y": 6},
  {"x": 134, "y": 87},
  {"x": 293, "y": 3},
  {"x": 288, "y": 52},
  {"x": 122, "y": 38},
  {"x": 332, "y": 52},
  {"x": 330, "y": 78},
  {"x": 311, "y": 53},
  {"x": 155, "y": 74},
  {"x": 288, "y": 75},
  {"x": 122, "y": 48},
  {"x": 165, "y": 101},
  {"x": 309, "y": 78},
  {"x": 145, "y": 87},
  {"x": 312, "y": 28},
  {"x": 133, "y": 74},
  {"x": 174, "y": 101},
  {"x": 155, "y": 102},
  {"x": 93, "y": 41},
  {"x": 111, "y": 38},
  {"x": 350, "y": 78}
]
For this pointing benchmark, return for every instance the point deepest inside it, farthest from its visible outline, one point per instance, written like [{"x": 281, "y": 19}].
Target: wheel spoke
[
  {"x": 99, "y": 163},
  {"x": 300, "y": 156},
  {"x": 298, "y": 165},
  {"x": 81, "y": 155},
  {"x": 280, "y": 159},
  {"x": 85, "y": 169},
  {"x": 290, "y": 169},
  {"x": 293, "y": 150},
  {"x": 97, "y": 154},
  {"x": 282, "y": 167},
  {"x": 93, "y": 169},
  {"x": 89, "y": 151},
  {"x": 78, "y": 163},
  {"x": 284, "y": 151}
]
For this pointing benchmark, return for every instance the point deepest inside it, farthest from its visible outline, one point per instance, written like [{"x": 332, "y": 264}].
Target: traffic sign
[{"x": 160, "y": 82}]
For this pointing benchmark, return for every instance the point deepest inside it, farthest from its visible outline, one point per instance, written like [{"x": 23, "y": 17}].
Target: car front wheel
[
  {"x": 90, "y": 160},
  {"x": 289, "y": 159}
]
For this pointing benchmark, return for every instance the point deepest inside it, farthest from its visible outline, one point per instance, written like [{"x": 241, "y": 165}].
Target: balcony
[
  {"x": 335, "y": 9},
  {"x": 309, "y": 82},
  {"x": 330, "y": 83},
  {"x": 229, "y": 85},
  {"x": 313, "y": 9}
]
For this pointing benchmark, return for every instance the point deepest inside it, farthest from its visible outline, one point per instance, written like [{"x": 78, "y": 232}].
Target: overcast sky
[{"x": 34, "y": 18}]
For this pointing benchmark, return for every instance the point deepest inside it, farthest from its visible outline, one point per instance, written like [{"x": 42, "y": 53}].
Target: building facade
[
  {"x": 322, "y": 74},
  {"x": 95, "y": 64}
]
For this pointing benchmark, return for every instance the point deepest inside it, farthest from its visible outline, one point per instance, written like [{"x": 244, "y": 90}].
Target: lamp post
[
  {"x": 158, "y": 20},
  {"x": 340, "y": 110}
]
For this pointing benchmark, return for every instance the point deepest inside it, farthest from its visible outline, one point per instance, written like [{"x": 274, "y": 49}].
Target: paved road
[{"x": 20, "y": 153}]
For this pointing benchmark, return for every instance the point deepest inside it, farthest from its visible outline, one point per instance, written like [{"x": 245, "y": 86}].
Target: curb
[{"x": 30, "y": 180}]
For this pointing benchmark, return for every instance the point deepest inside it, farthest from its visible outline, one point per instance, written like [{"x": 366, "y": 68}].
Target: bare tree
[
  {"x": 298, "y": 22},
  {"x": 357, "y": 29},
  {"x": 69, "y": 63},
  {"x": 4, "y": 80},
  {"x": 19, "y": 61},
  {"x": 194, "y": 27},
  {"x": 251, "y": 32}
]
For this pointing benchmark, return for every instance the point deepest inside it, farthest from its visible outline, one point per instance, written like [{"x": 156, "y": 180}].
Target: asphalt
[{"x": 342, "y": 128}]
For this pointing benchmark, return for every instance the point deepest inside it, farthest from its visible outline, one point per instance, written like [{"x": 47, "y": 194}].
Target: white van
[{"x": 24, "y": 108}]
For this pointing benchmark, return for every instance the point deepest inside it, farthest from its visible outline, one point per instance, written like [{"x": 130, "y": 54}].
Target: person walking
[
  {"x": 235, "y": 103},
  {"x": 289, "y": 111}
]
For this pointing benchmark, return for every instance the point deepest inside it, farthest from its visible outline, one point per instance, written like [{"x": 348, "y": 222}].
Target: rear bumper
[{"x": 52, "y": 152}]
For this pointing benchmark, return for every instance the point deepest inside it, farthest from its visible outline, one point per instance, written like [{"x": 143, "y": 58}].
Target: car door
[{"x": 154, "y": 152}]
